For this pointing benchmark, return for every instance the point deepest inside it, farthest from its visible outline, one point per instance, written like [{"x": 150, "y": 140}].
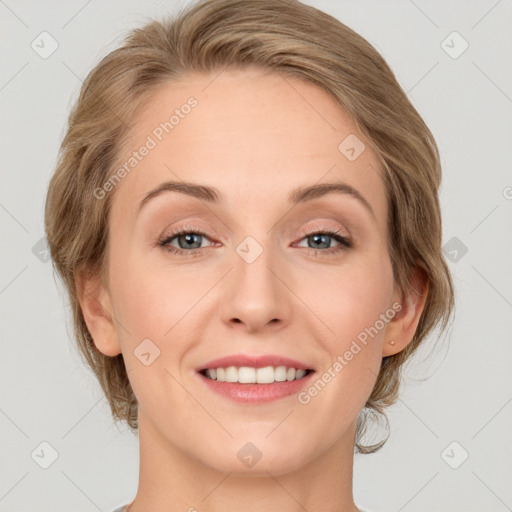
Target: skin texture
[{"x": 255, "y": 136}]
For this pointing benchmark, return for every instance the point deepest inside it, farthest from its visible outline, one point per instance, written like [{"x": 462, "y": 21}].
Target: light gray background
[{"x": 462, "y": 392}]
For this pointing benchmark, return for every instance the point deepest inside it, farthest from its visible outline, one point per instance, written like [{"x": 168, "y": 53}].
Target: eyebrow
[{"x": 297, "y": 195}]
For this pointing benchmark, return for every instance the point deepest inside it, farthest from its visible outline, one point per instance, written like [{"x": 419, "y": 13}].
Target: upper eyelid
[{"x": 327, "y": 214}]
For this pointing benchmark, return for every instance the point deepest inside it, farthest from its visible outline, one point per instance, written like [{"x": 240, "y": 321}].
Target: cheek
[
  {"x": 148, "y": 303},
  {"x": 155, "y": 301},
  {"x": 350, "y": 300},
  {"x": 350, "y": 304},
  {"x": 150, "y": 307}
]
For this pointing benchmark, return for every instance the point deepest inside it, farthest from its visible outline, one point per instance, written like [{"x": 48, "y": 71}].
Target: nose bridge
[{"x": 256, "y": 295}]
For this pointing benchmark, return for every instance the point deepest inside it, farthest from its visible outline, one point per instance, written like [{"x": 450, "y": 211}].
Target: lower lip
[{"x": 257, "y": 393}]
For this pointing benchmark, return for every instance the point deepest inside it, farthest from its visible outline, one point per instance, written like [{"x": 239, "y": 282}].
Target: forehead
[{"x": 252, "y": 134}]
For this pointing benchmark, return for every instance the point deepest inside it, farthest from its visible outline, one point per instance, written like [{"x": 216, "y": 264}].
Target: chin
[{"x": 257, "y": 458}]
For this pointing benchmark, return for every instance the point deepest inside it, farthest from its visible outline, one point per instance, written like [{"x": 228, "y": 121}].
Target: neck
[{"x": 170, "y": 480}]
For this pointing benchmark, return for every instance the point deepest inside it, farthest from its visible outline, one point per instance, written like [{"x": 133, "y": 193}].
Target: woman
[{"x": 245, "y": 214}]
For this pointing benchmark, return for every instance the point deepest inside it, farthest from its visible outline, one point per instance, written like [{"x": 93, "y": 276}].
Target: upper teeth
[{"x": 247, "y": 374}]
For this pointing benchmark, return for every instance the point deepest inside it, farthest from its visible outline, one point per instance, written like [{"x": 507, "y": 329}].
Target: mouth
[
  {"x": 255, "y": 379},
  {"x": 253, "y": 375},
  {"x": 251, "y": 385}
]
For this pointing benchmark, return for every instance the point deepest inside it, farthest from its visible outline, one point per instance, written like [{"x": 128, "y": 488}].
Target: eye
[
  {"x": 188, "y": 239},
  {"x": 320, "y": 241}
]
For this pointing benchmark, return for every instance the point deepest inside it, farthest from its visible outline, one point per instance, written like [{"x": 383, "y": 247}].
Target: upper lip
[{"x": 255, "y": 361}]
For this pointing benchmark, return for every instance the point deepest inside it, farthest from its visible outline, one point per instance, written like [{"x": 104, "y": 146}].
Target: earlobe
[
  {"x": 97, "y": 311},
  {"x": 401, "y": 329}
]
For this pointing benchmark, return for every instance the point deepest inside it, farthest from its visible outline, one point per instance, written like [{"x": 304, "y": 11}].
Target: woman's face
[{"x": 254, "y": 276}]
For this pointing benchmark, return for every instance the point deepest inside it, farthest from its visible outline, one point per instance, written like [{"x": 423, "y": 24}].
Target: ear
[
  {"x": 402, "y": 327},
  {"x": 96, "y": 306}
]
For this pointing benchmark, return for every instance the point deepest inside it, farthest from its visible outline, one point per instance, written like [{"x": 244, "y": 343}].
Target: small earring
[{"x": 392, "y": 342}]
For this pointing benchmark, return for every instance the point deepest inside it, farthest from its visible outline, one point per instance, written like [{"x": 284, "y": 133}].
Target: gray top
[{"x": 121, "y": 509}]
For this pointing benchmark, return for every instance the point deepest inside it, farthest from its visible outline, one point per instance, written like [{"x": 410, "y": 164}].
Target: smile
[
  {"x": 251, "y": 385},
  {"x": 251, "y": 375}
]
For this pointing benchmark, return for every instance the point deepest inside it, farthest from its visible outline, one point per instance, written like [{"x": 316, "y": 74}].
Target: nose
[{"x": 256, "y": 296}]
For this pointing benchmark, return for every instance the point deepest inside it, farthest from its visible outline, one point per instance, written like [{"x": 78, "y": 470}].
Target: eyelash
[{"x": 345, "y": 243}]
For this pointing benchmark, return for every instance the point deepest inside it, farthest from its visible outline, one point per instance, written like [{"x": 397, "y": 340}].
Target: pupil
[
  {"x": 318, "y": 238},
  {"x": 189, "y": 238}
]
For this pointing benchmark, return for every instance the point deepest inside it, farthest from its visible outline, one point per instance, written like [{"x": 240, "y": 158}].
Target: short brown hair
[{"x": 287, "y": 37}]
